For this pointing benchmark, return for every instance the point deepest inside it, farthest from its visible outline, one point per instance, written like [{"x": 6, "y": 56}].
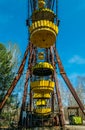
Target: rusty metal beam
[
  {"x": 26, "y": 86},
  {"x": 24, "y": 98},
  {"x": 27, "y": 77},
  {"x": 52, "y": 101},
  {"x": 68, "y": 83},
  {"x": 30, "y": 100},
  {"x": 61, "y": 112},
  {"x": 16, "y": 78}
]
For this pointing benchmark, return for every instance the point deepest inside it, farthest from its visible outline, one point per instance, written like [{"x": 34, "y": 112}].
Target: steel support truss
[{"x": 32, "y": 60}]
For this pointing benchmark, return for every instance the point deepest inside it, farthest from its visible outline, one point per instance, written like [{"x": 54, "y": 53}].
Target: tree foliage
[
  {"x": 6, "y": 74},
  {"x": 9, "y": 59}
]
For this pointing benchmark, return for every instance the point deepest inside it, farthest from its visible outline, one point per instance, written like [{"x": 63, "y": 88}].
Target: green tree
[
  {"x": 6, "y": 74},
  {"x": 9, "y": 63}
]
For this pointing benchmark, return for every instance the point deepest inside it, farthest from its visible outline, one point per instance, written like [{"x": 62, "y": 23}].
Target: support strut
[
  {"x": 68, "y": 83},
  {"x": 61, "y": 112},
  {"x": 15, "y": 79},
  {"x": 25, "y": 88},
  {"x": 52, "y": 101}
]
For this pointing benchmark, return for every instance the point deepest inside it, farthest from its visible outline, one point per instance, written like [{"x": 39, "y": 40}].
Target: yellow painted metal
[
  {"x": 41, "y": 56},
  {"x": 41, "y": 102},
  {"x": 77, "y": 120},
  {"x": 43, "y": 33},
  {"x": 43, "y": 14},
  {"x": 42, "y": 111},
  {"x": 42, "y": 86},
  {"x": 41, "y": 96},
  {"x": 41, "y": 3},
  {"x": 41, "y": 65}
]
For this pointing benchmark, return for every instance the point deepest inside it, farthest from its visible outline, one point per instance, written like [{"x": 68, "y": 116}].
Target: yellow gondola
[
  {"x": 41, "y": 102},
  {"x": 41, "y": 56},
  {"x": 41, "y": 3},
  {"x": 41, "y": 96},
  {"x": 43, "y": 33},
  {"x": 43, "y": 14},
  {"x": 42, "y": 86},
  {"x": 43, "y": 69},
  {"x": 42, "y": 111}
]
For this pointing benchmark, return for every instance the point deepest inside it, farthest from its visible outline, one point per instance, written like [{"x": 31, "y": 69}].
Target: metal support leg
[
  {"x": 30, "y": 100},
  {"x": 26, "y": 87},
  {"x": 61, "y": 111},
  {"x": 52, "y": 102},
  {"x": 67, "y": 81}
]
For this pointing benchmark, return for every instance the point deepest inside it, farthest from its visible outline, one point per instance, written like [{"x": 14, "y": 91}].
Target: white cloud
[{"x": 77, "y": 60}]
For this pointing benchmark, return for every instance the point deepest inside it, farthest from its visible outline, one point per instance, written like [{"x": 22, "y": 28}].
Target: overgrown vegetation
[
  {"x": 6, "y": 74},
  {"x": 8, "y": 64}
]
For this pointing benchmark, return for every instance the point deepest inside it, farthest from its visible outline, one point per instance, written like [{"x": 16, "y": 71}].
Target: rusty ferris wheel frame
[{"x": 30, "y": 53}]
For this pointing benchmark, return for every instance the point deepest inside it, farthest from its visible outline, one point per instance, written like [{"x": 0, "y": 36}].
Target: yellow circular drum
[
  {"x": 43, "y": 33},
  {"x": 43, "y": 69},
  {"x": 42, "y": 111},
  {"x": 42, "y": 86}
]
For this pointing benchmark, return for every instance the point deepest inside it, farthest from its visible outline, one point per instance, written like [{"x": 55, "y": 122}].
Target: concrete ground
[
  {"x": 67, "y": 127},
  {"x": 72, "y": 127}
]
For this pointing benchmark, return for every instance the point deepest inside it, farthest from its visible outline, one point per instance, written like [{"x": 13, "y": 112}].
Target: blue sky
[{"x": 71, "y": 37}]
